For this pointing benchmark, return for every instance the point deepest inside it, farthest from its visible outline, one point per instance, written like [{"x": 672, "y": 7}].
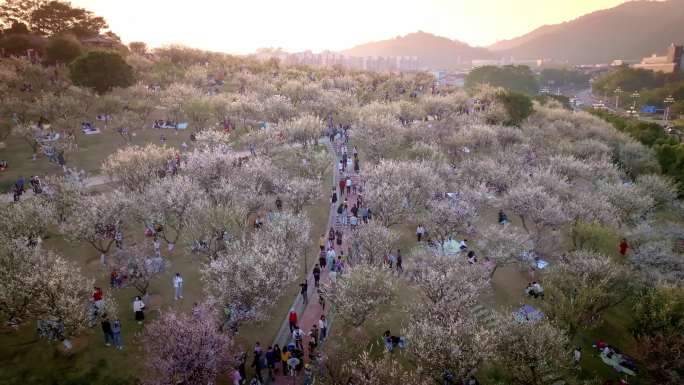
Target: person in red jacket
[
  {"x": 292, "y": 318},
  {"x": 343, "y": 184},
  {"x": 623, "y": 247}
]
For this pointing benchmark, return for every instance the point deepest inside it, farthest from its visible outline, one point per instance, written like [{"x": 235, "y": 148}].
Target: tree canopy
[
  {"x": 515, "y": 78},
  {"x": 101, "y": 71}
]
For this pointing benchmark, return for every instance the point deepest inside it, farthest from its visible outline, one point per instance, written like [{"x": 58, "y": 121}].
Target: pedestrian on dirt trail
[
  {"x": 316, "y": 275},
  {"x": 333, "y": 196},
  {"x": 323, "y": 327},
  {"x": 298, "y": 337},
  {"x": 305, "y": 291},
  {"x": 292, "y": 319},
  {"x": 321, "y": 242},
  {"x": 284, "y": 357},
  {"x": 330, "y": 258}
]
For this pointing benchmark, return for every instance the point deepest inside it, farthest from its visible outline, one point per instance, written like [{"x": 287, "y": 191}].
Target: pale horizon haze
[{"x": 241, "y": 27}]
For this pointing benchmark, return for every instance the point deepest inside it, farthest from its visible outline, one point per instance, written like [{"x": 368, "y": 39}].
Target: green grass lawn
[
  {"x": 93, "y": 150},
  {"x": 24, "y": 359}
]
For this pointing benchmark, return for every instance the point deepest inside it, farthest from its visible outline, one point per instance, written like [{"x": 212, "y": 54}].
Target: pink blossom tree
[{"x": 185, "y": 349}]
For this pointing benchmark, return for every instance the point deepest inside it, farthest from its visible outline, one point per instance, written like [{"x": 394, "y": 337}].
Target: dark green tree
[
  {"x": 562, "y": 77},
  {"x": 101, "y": 71},
  {"x": 518, "y": 106},
  {"x": 62, "y": 49},
  {"x": 631, "y": 79},
  {"x": 16, "y": 44},
  {"x": 58, "y": 17},
  {"x": 514, "y": 78},
  {"x": 18, "y": 11}
]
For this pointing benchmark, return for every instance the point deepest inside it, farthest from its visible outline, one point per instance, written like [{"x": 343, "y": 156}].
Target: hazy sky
[{"x": 242, "y": 26}]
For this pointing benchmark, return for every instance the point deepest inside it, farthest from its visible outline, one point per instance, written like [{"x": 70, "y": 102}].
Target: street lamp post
[
  {"x": 668, "y": 102},
  {"x": 635, "y": 98},
  {"x": 618, "y": 91}
]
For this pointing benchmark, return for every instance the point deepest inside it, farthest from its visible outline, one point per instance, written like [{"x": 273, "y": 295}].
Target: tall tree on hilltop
[{"x": 56, "y": 17}]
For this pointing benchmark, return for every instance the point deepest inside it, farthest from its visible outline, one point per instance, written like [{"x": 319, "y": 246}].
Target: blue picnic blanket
[{"x": 528, "y": 313}]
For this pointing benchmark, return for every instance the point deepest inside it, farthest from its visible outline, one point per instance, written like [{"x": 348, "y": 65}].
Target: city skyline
[{"x": 317, "y": 26}]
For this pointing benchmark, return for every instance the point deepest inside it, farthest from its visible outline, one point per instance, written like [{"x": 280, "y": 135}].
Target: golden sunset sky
[{"x": 242, "y": 26}]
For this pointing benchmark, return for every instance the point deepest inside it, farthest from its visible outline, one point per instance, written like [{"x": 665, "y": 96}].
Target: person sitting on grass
[
  {"x": 471, "y": 257},
  {"x": 393, "y": 341},
  {"x": 503, "y": 218},
  {"x": 535, "y": 290}
]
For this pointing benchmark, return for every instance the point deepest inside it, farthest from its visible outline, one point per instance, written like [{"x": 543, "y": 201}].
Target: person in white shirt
[
  {"x": 420, "y": 231},
  {"x": 462, "y": 245},
  {"x": 177, "y": 286},
  {"x": 323, "y": 327},
  {"x": 138, "y": 308},
  {"x": 298, "y": 337},
  {"x": 537, "y": 289}
]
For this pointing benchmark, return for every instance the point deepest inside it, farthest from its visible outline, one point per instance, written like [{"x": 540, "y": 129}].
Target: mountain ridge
[{"x": 597, "y": 37}]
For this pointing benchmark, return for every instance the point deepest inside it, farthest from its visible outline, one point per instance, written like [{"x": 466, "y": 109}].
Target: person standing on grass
[
  {"x": 292, "y": 319},
  {"x": 316, "y": 275},
  {"x": 339, "y": 265},
  {"x": 323, "y": 327},
  {"x": 304, "y": 290},
  {"x": 177, "y": 287},
  {"x": 623, "y": 247},
  {"x": 116, "y": 334},
  {"x": 420, "y": 231},
  {"x": 400, "y": 267},
  {"x": 107, "y": 330},
  {"x": 138, "y": 309}
]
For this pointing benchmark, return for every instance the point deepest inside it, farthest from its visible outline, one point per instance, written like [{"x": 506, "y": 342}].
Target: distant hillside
[
  {"x": 628, "y": 31},
  {"x": 434, "y": 51}
]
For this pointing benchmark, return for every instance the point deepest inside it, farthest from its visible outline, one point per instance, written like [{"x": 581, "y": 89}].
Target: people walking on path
[
  {"x": 305, "y": 291},
  {"x": 317, "y": 275}
]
